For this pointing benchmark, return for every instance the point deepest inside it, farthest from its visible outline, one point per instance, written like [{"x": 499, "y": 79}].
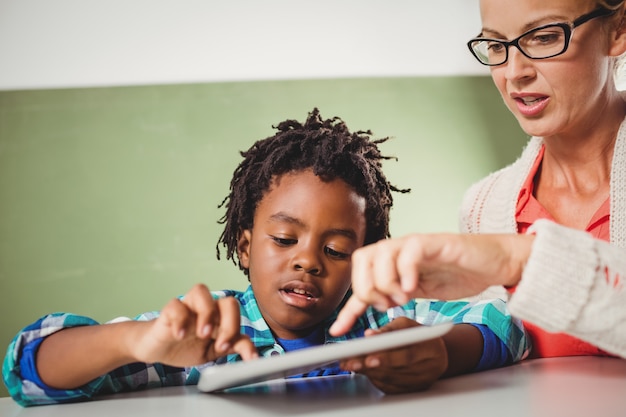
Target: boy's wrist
[
  {"x": 130, "y": 335},
  {"x": 464, "y": 346}
]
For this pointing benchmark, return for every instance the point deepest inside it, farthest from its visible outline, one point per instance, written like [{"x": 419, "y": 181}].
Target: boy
[{"x": 300, "y": 203}]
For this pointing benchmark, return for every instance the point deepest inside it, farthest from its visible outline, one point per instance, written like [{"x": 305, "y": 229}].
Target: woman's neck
[
  {"x": 574, "y": 178},
  {"x": 586, "y": 151}
]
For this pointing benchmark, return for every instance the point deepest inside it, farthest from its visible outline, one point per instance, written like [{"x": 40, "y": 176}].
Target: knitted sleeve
[{"x": 574, "y": 283}]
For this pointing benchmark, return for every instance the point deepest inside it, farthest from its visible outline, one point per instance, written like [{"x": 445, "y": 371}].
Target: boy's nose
[
  {"x": 310, "y": 270},
  {"x": 307, "y": 260}
]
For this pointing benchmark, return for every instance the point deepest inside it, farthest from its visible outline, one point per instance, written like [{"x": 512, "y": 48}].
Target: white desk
[{"x": 572, "y": 387}]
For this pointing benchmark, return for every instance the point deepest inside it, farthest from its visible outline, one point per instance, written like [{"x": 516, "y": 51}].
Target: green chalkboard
[{"x": 108, "y": 196}]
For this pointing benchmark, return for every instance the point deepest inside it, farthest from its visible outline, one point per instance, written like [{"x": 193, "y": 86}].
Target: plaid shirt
[{"x": 26, "y": 392}]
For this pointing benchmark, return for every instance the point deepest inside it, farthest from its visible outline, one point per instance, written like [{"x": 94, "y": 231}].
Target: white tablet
[{"x": 220, "y": 377}]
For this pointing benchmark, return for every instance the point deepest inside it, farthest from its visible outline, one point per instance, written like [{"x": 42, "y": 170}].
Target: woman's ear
[
  {"x": 618, "y": 41},
  {"x": 243, "y": 248}
]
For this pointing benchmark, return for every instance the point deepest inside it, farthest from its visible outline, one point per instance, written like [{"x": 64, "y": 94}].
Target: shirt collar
[
  {"x": 528, "y": 209},
  {"x": 255, "y": 326}
]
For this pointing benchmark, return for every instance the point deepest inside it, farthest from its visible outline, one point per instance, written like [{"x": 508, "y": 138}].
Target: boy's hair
[{"x": 327, "y": 148}]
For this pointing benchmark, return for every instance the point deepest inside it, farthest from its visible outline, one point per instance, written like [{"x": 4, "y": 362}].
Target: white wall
[{"x": 73, "y": 43}]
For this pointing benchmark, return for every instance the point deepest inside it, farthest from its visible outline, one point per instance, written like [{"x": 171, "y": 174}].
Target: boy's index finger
[
  {"x": 347, "y": 317},
  {"x": 201, "y": 304},
  {"x": 228, "y": 329}
]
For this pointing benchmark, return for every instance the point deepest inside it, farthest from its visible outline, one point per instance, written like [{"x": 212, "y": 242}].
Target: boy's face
[{"x": 298, "y": 251}]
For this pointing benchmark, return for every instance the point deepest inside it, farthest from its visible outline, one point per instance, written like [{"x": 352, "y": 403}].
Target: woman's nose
[{"x": 518, "y": 66}]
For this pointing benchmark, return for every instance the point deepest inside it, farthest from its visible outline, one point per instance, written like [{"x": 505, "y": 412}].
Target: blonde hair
[{"x": 619, "y": 69}]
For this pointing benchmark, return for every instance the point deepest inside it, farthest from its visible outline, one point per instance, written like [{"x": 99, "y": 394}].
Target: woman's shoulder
[
  {"x": 498, "y": 189},
  {"x": 519, "y": 167}
]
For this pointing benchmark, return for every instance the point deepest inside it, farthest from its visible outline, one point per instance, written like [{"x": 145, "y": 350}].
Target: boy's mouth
[
  {"x": 299, "y": 291},
  {"x": 299, "y": 294}
]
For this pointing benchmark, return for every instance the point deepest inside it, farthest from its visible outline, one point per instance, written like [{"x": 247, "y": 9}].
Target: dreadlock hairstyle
[{"x": 327, "y": 148}]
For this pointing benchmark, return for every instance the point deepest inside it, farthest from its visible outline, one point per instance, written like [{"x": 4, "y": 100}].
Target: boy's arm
[
  {"x": 188, "y": 332},
  {"x": 75, "y": 356},
  {"x": 26, "y": 387},
  {"x": 464, "y": 347},
  {"x": 417, "y": 367},
  {"x": 485, "y": 336},
  {"x": 64, "y": 358},
  {"x": 492, "y": 316}
]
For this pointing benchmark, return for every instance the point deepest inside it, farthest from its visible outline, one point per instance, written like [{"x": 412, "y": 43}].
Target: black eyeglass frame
[{"x": 568, "y": 29}]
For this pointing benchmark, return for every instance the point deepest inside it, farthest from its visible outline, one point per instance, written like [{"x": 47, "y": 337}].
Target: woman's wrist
[{"x": 520, "y": 247}]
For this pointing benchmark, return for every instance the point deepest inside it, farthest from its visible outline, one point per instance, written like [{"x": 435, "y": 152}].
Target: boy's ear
[{"x": 243, "y": 247}]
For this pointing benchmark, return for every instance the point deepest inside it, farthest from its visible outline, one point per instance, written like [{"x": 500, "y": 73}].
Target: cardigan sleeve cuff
[{"x": 557, "y": 278}]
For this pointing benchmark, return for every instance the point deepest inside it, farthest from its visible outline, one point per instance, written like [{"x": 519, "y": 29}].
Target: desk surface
[{"x": 577, "y": 386}]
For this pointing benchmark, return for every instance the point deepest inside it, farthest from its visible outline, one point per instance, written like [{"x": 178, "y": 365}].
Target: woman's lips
[{"x": 531, "y": 105}]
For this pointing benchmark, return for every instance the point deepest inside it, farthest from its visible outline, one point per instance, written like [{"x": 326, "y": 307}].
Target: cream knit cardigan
[{"x": 572, "y": 282}]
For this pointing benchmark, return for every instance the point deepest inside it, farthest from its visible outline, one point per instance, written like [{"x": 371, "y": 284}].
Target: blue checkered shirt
[{"x": 31, "y": 391}]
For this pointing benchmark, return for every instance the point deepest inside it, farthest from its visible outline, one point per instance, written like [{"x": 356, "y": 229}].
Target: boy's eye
[
  {"x": 334, "y": 254},
  {"x": 281, "y": 241}
]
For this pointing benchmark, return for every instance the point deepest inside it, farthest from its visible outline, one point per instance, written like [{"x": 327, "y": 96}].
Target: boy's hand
[
  {"x": 192, "y": 331},
  {"x": 408, "y": 369}
]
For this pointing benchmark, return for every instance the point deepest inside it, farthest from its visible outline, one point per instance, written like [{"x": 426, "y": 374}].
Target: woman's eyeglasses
[{"x": 543, "y": 42}]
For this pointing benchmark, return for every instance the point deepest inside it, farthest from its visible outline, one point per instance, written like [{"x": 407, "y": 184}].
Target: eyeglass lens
[{"x": 539, "y": 43}]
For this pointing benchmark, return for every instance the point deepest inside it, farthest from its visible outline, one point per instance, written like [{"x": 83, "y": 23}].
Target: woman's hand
[{"x": 436, "y": 266}]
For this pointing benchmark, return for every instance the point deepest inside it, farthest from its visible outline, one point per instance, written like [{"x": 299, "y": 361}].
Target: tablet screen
[{"x": 220, "y": 377}]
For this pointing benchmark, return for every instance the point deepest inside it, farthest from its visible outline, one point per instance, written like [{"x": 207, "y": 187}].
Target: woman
[{"x": 549, "y": 231}]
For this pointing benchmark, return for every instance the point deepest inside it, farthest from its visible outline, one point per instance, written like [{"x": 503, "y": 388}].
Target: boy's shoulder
[
  {"x": 244, "y": 297},
  {"x": 247, "y": 302},
  {"x": 226, "y": 293}
]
